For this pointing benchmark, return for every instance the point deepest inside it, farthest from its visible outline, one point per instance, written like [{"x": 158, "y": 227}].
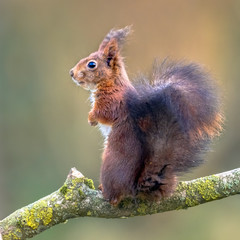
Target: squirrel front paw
[
  {"x": 91, "y": 119},
  {"x": 93, "y": 123}
]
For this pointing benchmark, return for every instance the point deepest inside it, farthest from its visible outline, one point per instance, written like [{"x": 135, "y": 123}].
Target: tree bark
[{"x": 78, "y": 198}]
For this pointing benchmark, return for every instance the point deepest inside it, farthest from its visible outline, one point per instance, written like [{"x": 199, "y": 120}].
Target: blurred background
[{"x": 43, "y": 118}]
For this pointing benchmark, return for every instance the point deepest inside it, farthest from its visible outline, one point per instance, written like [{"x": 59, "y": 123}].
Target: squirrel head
[{"x": 103, "y": 65}]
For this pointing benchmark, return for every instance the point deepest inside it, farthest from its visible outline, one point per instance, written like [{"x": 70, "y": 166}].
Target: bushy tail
[
  {"x": 175, "y": 115},
  {"x": 192, "y": 96}
]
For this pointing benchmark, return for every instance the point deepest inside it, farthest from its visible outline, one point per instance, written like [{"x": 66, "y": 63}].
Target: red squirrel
[{"x": 154, "y": 129}]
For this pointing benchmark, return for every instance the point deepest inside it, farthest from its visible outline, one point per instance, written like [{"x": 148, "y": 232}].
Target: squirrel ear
[
  {"x": 110, "y": 52},
  {"x": 119, "y": 35}
]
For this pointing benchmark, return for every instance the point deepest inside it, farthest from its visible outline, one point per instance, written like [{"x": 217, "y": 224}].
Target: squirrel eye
[{"x": 92, "y": 64}]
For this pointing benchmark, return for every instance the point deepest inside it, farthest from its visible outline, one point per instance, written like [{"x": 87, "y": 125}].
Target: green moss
[
  {"x": 207, "y": 188},
  {"x": 40, "y": 212},
  {"x": 64, "y": 189},
  {"x": 201, "y": 189},
  {"x": 13, "y": 235},
  {"x": 191, "y": 201},
  {"x": 89, "y": 183},
  {"x": 69, "y": 188},
  {"x": 69, "y": 195},
  {"x": 81, "y": 193},
  {"x": 46, "y": 215},
  {"x": 30, "y": 219},
  {"x": 19, "y": 223},
  {"x": 142, "y": 209}
]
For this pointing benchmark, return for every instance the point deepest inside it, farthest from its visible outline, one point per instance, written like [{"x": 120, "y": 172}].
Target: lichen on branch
[{"x": 78, "y": 198}]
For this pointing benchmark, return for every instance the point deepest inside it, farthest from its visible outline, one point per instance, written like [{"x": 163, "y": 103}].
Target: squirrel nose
[{"x": 71, "y": 73}]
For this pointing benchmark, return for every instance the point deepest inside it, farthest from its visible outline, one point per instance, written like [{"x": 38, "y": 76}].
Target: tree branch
[{"x": 78, "y": 198}]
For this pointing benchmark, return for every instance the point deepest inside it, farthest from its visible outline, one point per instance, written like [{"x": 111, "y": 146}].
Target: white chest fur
[{"x": 105, "y": 129}]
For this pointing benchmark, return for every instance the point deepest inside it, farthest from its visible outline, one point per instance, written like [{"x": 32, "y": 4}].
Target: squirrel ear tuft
[
  {"x": 119, "y": 35},
  {"x": 110, "y": 52}
]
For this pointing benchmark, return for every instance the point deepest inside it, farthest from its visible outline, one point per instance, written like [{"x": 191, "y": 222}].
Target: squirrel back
[{"x": 154, "y": 129}]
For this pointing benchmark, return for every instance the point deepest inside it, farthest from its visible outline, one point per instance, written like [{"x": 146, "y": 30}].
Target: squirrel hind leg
[
  {"x": 111, "y": 195},
  {"x": 157, "y": 185},
  {"x": 115, "y": 200}
]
